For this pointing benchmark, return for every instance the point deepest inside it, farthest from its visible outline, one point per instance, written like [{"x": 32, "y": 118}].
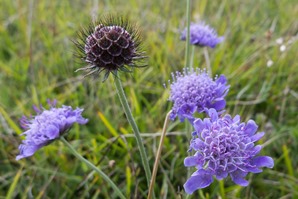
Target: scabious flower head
[
  {"x": 224, "y": 146},
  {"x": 110, "y": 46},
  {"x": 194, "y": 91},
  {"x": 47, "y": 126},
  {"x": 202, "y": 35}
]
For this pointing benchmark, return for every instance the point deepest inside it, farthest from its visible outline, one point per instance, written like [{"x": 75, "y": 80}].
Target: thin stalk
[
  {"x": 192, "y": 56},
  {"x": 155, "y": 167},
  {"x": 134, "y": 126},
  {"x": 206, "y": 55},
  {"x": 187, "y": 45},
  {"x": 222, "y": 189},
  {"x": 92, "y": 166}
]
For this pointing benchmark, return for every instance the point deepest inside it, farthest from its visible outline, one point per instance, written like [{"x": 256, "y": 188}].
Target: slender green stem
[
  {"x": 201, "y": 194},
  {"x": 222, "y": 189},
  {"x": 187, "y": 45},
  {"x": 100, "y": 172},
  {"x": 192, "y": 56},
  {"x": 134, "y": 126},
  {"x": 206, "y": 55},
  {"x": 155, "y": 167}
]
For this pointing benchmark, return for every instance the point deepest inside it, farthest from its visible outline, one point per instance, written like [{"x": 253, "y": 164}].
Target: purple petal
[
  {"x": 190, "y": 161},
  {"x": 52, "y": 132},
  {"x": 218, "y": 105},
  {"x": 196, "y": 160},
  {"x": 236, "y": 119},
  {"x": 237, "y": 177},
  {"x": 221, "y": 79},
  {"x": 27, "y": 150},
  {"x": 250, "y": 128},
  {"x": 249, "y": 145},
  {"x": 24, "y": 122},
  {"x": 231, "y": 167},
  {"x": 263, "y": 161},
  {"x": 81, "y": 120},
  {"x": 221, "y": 174},
  {"x": 70, "y": 120},
  {"x": 256, "y": 150},
  {"x": 36, "y": 109},
  {"x": 173, "y": 115},
  {"x": 197, "y": 144},
  {"x": 198, "y": 180},
  {"x": 213, "y": 114},
  {"x": 257, "y": 136},
  {"x": 207, "y": 123},
  {"x": 249, "y": 168},
  {"x": 198, "y": 125},
  {"x": 186, "y": 111},
  {"x": 52, "y": 103}
]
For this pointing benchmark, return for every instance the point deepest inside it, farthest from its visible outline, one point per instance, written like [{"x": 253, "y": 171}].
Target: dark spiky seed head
[{"x": 110, "y": 46}]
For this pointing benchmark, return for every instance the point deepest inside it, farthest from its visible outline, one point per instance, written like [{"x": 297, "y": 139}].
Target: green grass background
[{"x": 37, "y": 63}]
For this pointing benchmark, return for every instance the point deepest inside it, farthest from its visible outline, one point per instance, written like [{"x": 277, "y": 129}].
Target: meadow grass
[{"x": 37, "y": 63}]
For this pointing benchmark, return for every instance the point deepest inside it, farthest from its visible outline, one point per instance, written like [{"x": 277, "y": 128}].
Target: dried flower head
[
  {"x": 194, "y": 91},
  {"x": 110, "y": 46},
  {"x": 224, "y": 146},
  {"x": 202, "y": 35},
  {"x": 47, "y": 126}
]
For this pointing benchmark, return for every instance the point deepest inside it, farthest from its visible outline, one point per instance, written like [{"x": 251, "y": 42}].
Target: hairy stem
[{"x": 134, "y": 126}]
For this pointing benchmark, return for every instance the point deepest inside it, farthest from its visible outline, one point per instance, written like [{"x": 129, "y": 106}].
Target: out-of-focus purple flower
[
  {"x": 202, "y": 35},
  {"x": 224, "y": 146},
  {"x": 47, "y": 126},
  {"x": 193, "y": 90}
]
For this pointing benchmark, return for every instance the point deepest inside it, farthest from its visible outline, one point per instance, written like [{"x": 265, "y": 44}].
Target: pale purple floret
[
  {"x": 47, "y": 126},
  {"x": 194, "y": 91},
  {"x": 202, "y": 35},
  {"x": 224, "y": 146}
]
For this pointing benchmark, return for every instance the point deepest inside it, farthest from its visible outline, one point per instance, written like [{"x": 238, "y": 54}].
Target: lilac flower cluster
[
  {"x": 194, "y": 91},
  {"x": 202, "y": 35},
  {"x": 47, "y": 126},
  {"x": 224, "y": 146}
]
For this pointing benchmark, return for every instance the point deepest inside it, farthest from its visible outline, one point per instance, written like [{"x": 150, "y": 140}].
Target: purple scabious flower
[
  {"x": 47, "y": 126},
  {"x": 194, "y": 91},
  {"x": 224, "y": 146},
  {"x": 202, "y": 35}
]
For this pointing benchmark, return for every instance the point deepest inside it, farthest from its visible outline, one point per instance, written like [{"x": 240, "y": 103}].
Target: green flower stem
[
  {"x": 222, "y": 189},
  {"x": 192, "y": 56},
  {"x": 100, "y": 172},
  {"x": 134, "y": 126},
  {"x": 187, "y": 45},
  {"x": 163, "y": 134},
  {"x": 206, "y": 55}
]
